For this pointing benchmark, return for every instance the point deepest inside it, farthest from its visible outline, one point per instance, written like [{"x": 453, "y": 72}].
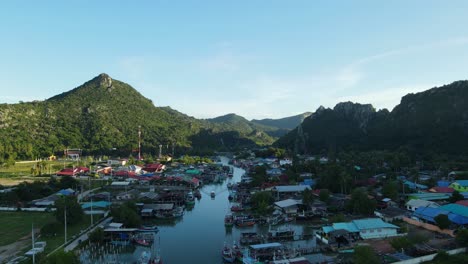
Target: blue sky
[{"x": 258, "y": 59}]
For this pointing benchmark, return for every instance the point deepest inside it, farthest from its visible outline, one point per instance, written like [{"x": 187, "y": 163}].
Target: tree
[
  {"x": 261, "y": 202},
  {"x": 456, "y": 196},
  {"x": 127, "y": 214},
  {"x": 390, "y": 190},
  {"x": 360, "y": 203},
  {"x": 462, "y": 238},
  {"x": 324, "y": 195},
  {"x": 259, "y": 176},
  {"x": 400, "y": 243},
  {"x": 97, "y": 236},
  {"x": 68, "y": 182},
  {"x": 307, "y": 197},
  {"x": 73, "y": 208},
  {"x": 365, "y": 255},
  {"x": 442, "y": 221}
]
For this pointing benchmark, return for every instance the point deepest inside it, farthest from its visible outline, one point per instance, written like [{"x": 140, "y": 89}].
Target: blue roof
[
  {"x": 65, "y": 192},
  {"x": 269, "y": 245},
  {"x": 456, "y": 209},
  {"x": 413, "y": 185},
  {"x": 327, "y": 229},
  {"x": 463, "y": 183},
  {"x": 428, "y": 213},
  {"x": 443, "y": 183},
  {"x": 458, "y": 219},
  {"x": 350, "y": 227},
  {"x": 309, "y": 182},
  {"x": 100, "y": 204},
  {"x": 372, "y": 223}
]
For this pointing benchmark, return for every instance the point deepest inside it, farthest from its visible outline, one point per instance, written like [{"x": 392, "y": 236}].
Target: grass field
[
  {"x": 21, "y": 172},
  {"x": 16, "y": 225}
]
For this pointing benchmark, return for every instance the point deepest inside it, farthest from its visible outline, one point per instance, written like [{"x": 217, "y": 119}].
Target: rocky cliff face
[{"x": 434, "y": 120}]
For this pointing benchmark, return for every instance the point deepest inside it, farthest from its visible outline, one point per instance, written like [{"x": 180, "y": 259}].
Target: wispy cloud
[{"x": 226, "y": 81}]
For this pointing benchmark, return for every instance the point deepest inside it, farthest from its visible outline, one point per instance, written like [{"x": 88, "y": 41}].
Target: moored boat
[
  {"x": 143, "y": 242},
  {"x": 190, "y": 199},
  {"x": 244, "y": 222},
  {"x": 229, "y": 220},
  {"x": 148, "y": 228},
  {"x": 228, "y": 255},
  {"x": 237, "y": 208}
]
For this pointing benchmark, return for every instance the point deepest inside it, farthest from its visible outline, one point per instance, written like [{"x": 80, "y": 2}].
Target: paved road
[{"x": 84, "y": 236}]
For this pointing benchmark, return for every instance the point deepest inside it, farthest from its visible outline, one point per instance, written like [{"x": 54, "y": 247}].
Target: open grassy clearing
[{"x": 16, "y": 225}]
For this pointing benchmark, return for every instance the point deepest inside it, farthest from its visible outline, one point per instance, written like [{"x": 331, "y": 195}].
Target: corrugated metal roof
[
  {"x": 463, "y": 183},
  {"x": 350, "y": 227},
  {"x": 292, "y": 188},
  {"x": 287, "y": 203},
  {"x": 327, "y": 229},
  {"x": 456, "y": 209},
  {"x": 421, "y": 203},
  {"x": 372, "y": 223},
  {"x": 268, "y": 245}
]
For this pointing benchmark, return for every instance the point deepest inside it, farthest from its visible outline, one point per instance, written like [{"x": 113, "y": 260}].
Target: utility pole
[
  {"x": 65, "y": 215},
  {"x": 160, "y": 151},
  {"x": 92, "y": 220},
  {"x": 33, "y": 242},
  {"x": 139, "y": 142}
]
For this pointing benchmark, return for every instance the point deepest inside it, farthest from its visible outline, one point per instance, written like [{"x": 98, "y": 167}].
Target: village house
[
  {"x": 414, "y": 204},
  {"x": 460, "y": 185},
  {"x": 369, "y": 228},
  {"x": 289, "y": 206},
  {"x": 289, "y": 191}
]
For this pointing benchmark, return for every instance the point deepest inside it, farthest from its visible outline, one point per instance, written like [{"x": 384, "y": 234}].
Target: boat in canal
[
  {"x": 190, "y": 199},
  {"x": 148, "y": 228},
  {"x": 250, "y": 238},
  {"x": 143, "y": 242},
  {"x": 229, "y": 220},
  {"x": 228, "y": 255},
  {"x": 263, "y": 253},
  {"x": 281, "y": 233},
  {"x": 245, "y": 222},
  {"x": 237, "y": 208}
]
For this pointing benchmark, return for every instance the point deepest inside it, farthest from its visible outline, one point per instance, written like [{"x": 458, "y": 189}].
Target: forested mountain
[
  {"x": 239, "y": 123},
  {"x": 432, "y": 121},
  {"x": 102, "y": 117},
  {"x": 287, "y": 123}
]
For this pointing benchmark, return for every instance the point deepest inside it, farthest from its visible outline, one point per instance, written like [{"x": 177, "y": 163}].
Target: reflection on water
[{"x": 199, "y": 236}]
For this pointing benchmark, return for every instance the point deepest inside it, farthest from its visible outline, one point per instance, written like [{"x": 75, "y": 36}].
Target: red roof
[
  {"x": 67, "y": 172},
  {"x": 124, "y": 173},
  {"x": 152, "y": 167},
  {"x": 442, "y": 189},
  {"x": 463, "y": 202}
]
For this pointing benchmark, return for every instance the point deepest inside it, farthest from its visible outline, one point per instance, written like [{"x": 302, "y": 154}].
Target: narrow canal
[{"x": 200, "y": 235}]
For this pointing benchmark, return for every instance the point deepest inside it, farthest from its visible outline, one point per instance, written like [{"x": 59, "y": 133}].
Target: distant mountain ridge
[
  {"x": 272, "y": 127},
  {"x": 290, "y": 122},
  {"x": 435, "y": 120}
]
